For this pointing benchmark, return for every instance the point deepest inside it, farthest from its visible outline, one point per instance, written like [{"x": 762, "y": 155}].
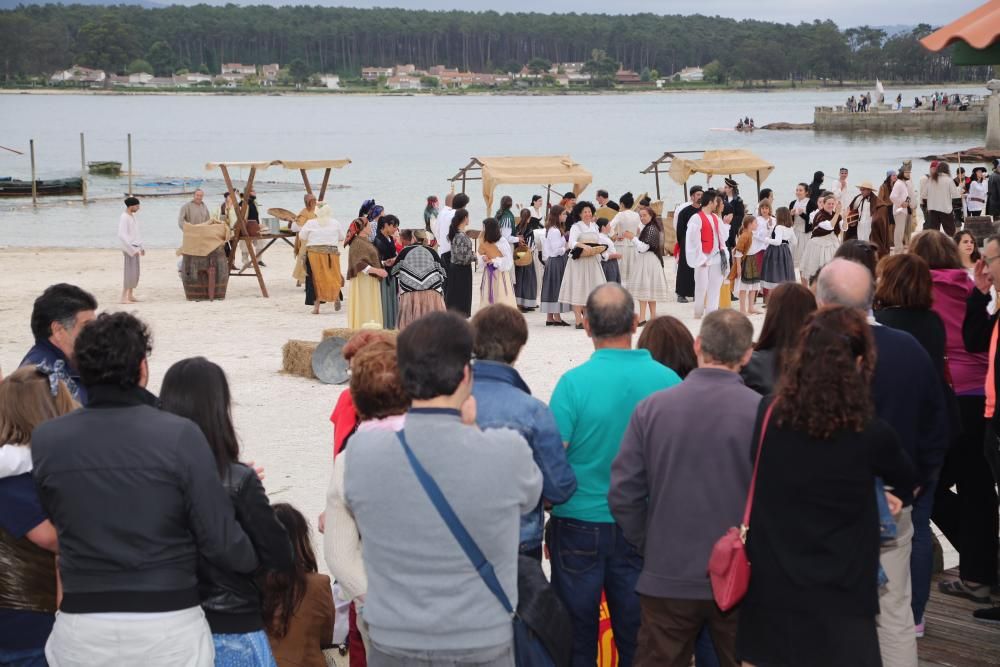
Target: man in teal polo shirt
[{"x": 593, "y": 404}]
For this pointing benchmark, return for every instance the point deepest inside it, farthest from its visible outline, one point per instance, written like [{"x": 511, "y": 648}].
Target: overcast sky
[{"x": 845, "y": 13}]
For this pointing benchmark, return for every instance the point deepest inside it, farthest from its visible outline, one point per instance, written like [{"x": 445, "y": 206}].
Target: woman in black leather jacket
[
  {"x": 788, "y": 306},
  {"x": 197, "y": 389}
]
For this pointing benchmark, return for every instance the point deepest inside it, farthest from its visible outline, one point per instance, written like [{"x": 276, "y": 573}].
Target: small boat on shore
[
  {"x": 10, "y": 187},
  {"x": 106, "y": 168},
  {"x": 171, "y": 188}
]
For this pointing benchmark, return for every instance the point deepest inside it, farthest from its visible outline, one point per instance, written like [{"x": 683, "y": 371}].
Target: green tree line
[{"x": 40, "y": 39}]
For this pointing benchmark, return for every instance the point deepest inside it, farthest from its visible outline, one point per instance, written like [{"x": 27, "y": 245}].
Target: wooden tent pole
[
  {"x": 758, "y": 185},
  {"x": 305, "y": 180},
  {"x": 326, "y": 181},
  {"x": 548, "y": 198},
  {"x": 656, "y": 172},
  {"x": 241, "y": 230}
]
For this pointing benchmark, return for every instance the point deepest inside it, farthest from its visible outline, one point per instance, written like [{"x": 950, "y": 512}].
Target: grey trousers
[
  {"x": 896, "y": 637},
  {"x": 497, "y": 656}
]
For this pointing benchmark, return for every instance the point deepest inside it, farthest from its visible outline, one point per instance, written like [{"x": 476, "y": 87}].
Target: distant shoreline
[{"x": 847, "y": 88}]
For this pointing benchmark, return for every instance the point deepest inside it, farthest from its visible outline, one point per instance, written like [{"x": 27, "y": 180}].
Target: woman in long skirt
[
  {"x": 421, "y": 279},
  {"x": 459, "y": 294},
  {"x": 496, "y": 258},
  {"x": 779, "y": 266},
  {"x": 365, "y": 272},
  {"x": 624, "y": 228},
  {"x": 387, "y": 226},
  {"x": 647, "y": 282},
  {"x": 583, "y": 272},
  {"x": 525, "y": 278},
  {"x": 823, "y": 243},
  {"x": 320, "y": 238},
  {"x": 554, "y": 256},
  {"x": 131, "y": 244}
]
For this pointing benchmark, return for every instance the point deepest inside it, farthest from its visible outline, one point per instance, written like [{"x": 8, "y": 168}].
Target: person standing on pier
[
  {"x": 131, "y": 243},
  {"x": 195, "y": 212}
]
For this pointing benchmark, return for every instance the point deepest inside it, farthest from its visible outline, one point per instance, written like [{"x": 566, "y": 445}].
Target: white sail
[{"x": 879, "y": 87}]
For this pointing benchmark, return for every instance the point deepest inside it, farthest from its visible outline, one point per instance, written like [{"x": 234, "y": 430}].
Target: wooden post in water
[
  {"x": 34, "y": 184},
  {"x": 129, "y": 164},
  {"x": 83, "y": 168}
]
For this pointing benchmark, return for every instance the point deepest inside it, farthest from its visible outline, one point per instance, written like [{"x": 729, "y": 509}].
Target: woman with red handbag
[{"x": 813, "y": 541}]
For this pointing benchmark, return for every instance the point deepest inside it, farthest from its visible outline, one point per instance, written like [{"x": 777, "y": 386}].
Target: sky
[{"x": 845, "y": 13}]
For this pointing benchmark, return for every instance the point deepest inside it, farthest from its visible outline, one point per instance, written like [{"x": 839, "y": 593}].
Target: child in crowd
[
  {"x": 612, "y": 271},
  {"x": 745, "y": 268},
  {"x": 779, "y": 264}
]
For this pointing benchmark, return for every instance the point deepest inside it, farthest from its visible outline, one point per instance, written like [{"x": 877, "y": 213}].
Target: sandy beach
[{"x": 283, "y": 420}]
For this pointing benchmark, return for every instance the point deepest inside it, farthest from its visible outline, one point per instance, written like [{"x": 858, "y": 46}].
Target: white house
[
  {"x": 79, "y": 74},
  {"x": 374, "y": 73},
  {"x": 691, "y": 74},
  {"x": 331, "y": 81},
  {"x": 403, "y": 83}
]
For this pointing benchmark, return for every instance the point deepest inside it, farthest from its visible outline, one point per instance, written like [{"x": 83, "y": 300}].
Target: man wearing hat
[
  {"x": 131, "y": 244},
  {"x": 993, "y": 191},
  {"x": 860, "y": 210},
  {"x": 733, "y": 211}
]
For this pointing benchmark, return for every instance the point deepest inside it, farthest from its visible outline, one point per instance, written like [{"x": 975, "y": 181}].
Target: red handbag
[{"x": 728, "y": 566}]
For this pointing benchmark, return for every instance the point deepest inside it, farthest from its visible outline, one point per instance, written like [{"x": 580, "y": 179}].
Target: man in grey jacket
[
  {"x": 678, "y": 483},
  {"x": 426, "y": 603}
]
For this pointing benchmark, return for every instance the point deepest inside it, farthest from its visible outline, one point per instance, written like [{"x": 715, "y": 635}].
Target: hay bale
[
  {"x": 669, "y": 231},
  {"x": 339, "y": 332},
  {"x": 296, "y": 358}
]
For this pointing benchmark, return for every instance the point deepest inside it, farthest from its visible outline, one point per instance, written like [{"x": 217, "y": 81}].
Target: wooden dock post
[
  {"x": 34, "y": 184},
  {"x": 129, "y": 164},
  {"x": 83, "y": 168}
]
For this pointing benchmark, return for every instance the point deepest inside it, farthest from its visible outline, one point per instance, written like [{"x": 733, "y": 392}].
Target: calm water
[{"x": 404, "y": 148}]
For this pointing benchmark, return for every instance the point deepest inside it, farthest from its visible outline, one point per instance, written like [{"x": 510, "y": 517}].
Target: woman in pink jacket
[{"x": 968, "y": 518}]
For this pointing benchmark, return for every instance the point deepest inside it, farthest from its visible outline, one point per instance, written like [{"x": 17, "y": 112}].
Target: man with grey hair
[
  {"x": 592, "y": 404},
  {"x": 909, "y": 396},
  {"x": 195, "y": 212},
  {"x": 672, "y": 452}
]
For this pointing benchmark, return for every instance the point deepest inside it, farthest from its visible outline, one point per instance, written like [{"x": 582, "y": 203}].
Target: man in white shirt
[
  {"x": 704, "y": 253},
  {"x": 451, "y": 204},
  {"x": 842, "y": 190}
]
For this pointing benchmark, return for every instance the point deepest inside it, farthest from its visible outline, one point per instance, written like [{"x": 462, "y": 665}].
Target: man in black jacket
[
  {"x": 135, "y": 497},
  {"x": 993, "y": 191}
]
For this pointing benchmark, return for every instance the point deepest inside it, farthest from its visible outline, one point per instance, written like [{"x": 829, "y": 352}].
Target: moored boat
[
  {"x": 170, "y": 188},
  {"x": 10, "y": 187},
  {"x": 105, "y": 168}
]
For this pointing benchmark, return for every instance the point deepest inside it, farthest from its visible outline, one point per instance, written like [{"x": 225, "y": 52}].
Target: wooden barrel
[{"x": 205, "y": 278}]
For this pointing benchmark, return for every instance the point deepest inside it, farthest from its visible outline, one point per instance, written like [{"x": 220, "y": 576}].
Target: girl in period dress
[
  {"x": 625, "y": 222},
  {"x": 779, "y": 266},
  {"x": 800, "y": 220},
  {"x": 496, "y": 258},
  {"x": 554, "y": 256},
  {"x": 525, "y": 278},
  {"x": 646, "y": 280},
  {"x": 610, "y": 266},
  {"x": 583, "y": 272},
  {"x": 823, "y": 243},
  {"x": 364, "y": 270},
  {"x": 459, "y": 294},
  {"x": 744, "y": 267}
]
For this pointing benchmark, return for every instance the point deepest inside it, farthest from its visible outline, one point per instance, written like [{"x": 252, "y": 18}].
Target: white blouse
[
  {"x": 606, "y": 240},
  {"x": 580, "y": 228},
  {"x": 939, "y": 194},
  {"x": 128, "y": 234},
  {"x": 505, "y": 262},
  {"x": 554, "y": 245},
  {"x": 976, "y": 199},
  {"x": 625, "y": 221},
  {"x": 762, "y": 234},
  {"x": 780, "y": 233},
  {"x": 321, "y": 232}
]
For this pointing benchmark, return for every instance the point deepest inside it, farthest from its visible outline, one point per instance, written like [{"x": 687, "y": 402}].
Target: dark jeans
[
  {"x": 704, "y": 650},
  {"x": 967, "y": 515},
  {"x": 446, "y": 265},
  {"x": 940, "y": 221},
  {"x": 670, "y": 628},
  {"x": 922, "y": 556},
  {"x": 586, "y": 559},
  {"x": 25, "y": 657}
]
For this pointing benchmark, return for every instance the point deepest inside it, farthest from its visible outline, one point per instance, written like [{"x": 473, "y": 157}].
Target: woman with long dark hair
[
  {"x": 941, "y": 192},
  {"x": 458, "y": 296},
  {"x": 646, "y": 280},
  {"x": 298, "y": 604},
  {"x": 496, "y": 259},
  {"x": 554, "y": 255},
  {"x": 525, "y": 278},
  {"x": 968, "y": 253},
  {"x": 197, "y": 389},
  {"x": 583, "y": 271},
  {"x": 670, "y": 342},
  {"x": 814, "y": 530},
  {"x": 788, "y": 308}
]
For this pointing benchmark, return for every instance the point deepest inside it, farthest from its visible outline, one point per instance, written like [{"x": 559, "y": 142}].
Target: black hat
[
  {"x": 731, "y": 183},
  {"x": 131, "y": 201}
]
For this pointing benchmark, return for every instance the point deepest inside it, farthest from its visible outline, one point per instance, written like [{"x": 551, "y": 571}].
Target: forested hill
[{"x": 40, "y": 39}]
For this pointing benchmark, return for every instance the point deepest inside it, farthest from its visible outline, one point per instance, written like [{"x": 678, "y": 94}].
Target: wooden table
[{"x": 271, "y": 239}]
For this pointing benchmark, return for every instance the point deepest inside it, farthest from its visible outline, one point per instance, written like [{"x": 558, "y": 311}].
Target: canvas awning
[
  {"x": 974, "y": 36},
  {"x": 287, "y": 164},
  {"x": 721, "y": 163},
  {"x": 526, "y": 170}
]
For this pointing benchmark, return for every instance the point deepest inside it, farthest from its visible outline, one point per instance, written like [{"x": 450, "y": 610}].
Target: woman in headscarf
[
  {"x": 430, "y": 213},
  {"x": 386, "y": 227},
  {"x": 321, "y": 239},
  {"x": 418, "y": 272},
  {"x": 304, "y": 216},
  {"x": 364, "y": 270}
]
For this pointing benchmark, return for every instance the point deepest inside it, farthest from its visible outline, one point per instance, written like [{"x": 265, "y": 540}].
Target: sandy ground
[{"x": 282, "y": 420}]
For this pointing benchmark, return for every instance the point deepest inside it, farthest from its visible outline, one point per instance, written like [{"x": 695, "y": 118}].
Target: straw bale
[
  {"x": 338, "y": 332},
  {"x": 296, "y": 358}
]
